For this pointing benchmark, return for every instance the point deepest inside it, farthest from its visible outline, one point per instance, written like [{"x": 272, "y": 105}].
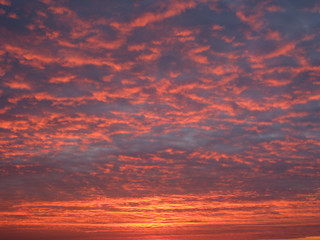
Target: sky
[{"x": 159, "y": 120}]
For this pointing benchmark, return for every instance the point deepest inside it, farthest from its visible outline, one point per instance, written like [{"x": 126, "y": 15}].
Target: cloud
[{"x": 173, "y": 119}]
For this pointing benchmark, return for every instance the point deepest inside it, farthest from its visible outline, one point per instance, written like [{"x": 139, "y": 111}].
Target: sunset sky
[{"x": 159, "y": 119}]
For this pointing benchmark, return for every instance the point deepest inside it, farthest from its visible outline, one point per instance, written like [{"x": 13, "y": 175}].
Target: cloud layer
[{"x": 159, "y": 119}]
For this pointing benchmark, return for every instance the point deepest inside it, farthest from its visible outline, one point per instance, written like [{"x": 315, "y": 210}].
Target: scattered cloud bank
[{"x": 183, "y": 117}]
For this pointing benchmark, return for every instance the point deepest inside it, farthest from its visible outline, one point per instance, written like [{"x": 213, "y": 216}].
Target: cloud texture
[{"x": 194, "y": 119}]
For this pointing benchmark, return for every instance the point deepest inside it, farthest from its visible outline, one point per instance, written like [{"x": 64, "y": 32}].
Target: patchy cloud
[{"x": 173, "y": 119}]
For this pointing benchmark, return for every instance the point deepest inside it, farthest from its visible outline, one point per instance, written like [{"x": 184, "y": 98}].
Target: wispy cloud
[{"x": 156, "y": 120}]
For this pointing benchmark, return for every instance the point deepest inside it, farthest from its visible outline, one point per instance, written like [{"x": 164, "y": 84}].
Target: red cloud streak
[{"x": 162, "y": 120}]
